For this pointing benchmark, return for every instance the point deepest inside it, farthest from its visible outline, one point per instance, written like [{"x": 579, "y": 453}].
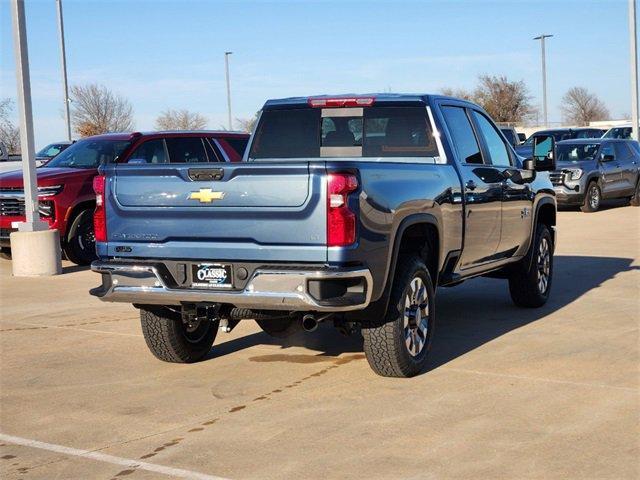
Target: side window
[
  {"x": 186, "y": 150},
  {"x": 607, "y": 149},
  {"x": 463, "y": 137},
  {"x": 151, "y": 152},
  {"x": 622, "y": 152},
  {"x": 497, "y": 148}
]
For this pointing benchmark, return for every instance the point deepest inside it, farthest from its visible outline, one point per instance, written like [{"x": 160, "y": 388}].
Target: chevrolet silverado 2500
[{"x": 349, "y": 209}]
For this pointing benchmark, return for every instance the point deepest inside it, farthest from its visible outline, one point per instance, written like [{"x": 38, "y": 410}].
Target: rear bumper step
[{"x": 325, "y": 290}]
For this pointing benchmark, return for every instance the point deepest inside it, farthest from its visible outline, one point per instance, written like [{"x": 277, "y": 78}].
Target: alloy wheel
[
  {"x": 543, "y": 263},
  {"x": 416, "y": 317}
]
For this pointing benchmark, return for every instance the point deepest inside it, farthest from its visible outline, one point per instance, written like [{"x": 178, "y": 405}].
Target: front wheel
[
  {"x": 80, "y": 247},
  {"x": 530, "y": 282},
  {"x": 592, "y": 198},
  {"x": 172, "y": 339},
  {"x": 635, "y": 200},
  {"x": 398, "y": 346}
]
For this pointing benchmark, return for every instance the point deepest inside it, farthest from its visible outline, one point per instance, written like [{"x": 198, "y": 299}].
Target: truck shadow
[
  {"x": 481, "y": 310},
  {"x": 469, "y": 315}
]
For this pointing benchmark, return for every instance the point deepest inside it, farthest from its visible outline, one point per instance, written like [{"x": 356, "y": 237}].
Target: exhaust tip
[{"x": 309, "y": 323}]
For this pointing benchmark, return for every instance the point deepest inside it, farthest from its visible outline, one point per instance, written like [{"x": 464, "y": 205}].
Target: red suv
[{"x": 65, "y": 192}]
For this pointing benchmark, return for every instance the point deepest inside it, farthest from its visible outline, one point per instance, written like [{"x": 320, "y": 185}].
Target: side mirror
[
  {"x": 529, "y": 164},
  {"x": 607, "y": 158},
  {"x": 544, "y": 153}
]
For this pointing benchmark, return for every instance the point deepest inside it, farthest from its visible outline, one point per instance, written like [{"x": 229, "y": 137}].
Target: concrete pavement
[{"x": 511, "y": 393}]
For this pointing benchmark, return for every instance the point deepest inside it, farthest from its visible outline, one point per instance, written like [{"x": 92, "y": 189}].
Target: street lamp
[
  {"x": 633, "y": 50},
  {"x": 226, "y": 69},
  {"x": 63, "y": 57},
  {"x": 544, "y": 76}
]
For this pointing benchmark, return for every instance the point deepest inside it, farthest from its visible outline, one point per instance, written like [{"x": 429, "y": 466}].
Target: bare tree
[
  {"x": 458, "y": 93},
  {"x": 579, "y": 106},
  {"x": 96, "y": 109},
  {"x": 504, "y": 100},
  {"x": 248, "y": 124},
  {"x": 9, "y": 133},
  {"x": 180, "y": 120}
]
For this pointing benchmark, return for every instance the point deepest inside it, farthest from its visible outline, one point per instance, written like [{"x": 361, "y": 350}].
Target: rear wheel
[
  {"x": 172, "y": 339},
  {"x": 530, "y": 282},
  {"x": 398, "y": 346},
  {"x": 592, "y": 198},
  {"x": 80, "y": 247},
  {"x": 635, "y": 200}
]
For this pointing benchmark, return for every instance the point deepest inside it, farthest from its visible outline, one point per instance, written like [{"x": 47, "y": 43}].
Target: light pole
[
  {"x": 35, "y": 250},
  {"x": 633, "y": 39},
  {"x": 63, "y": 57},
  {"x": 226, "y": 69},
  {"x": 544, "y": 77}
]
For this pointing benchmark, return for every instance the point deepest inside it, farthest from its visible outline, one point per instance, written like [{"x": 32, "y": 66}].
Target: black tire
[
  {"x": 592, "y": 198},
  {"x": 171, "y": 340},
  {"x": 398, "y": 345},
  {"x": 5, "y": 252},
  {"x": 635, "y": 200},
  {"x": 530, "y": 281},
  {"x": 80, "y": 246}
]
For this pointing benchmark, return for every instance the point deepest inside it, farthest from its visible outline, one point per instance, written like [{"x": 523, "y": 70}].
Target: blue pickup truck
[{"x": 346, "y": 209}]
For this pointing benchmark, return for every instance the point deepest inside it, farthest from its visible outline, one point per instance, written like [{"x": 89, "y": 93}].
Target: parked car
[
  {"x": 521, "y": 137},
  {"x": 66, "y": 198},
  {"x": 590, "y": 170},
  {"x": 621, "y": 131},
  {"x": 50, "y": 151},
  {"x": 511, "y": 135},
  {"x": 558, "y": 134},
  {"x": 350, "y": 209}
]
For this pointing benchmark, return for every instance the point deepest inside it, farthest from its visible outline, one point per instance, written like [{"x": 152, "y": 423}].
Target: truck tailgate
[{"x": 241, "y": 211}]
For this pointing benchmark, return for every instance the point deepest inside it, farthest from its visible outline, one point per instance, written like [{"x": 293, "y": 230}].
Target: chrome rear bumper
[{"x": 266, "y": 289}]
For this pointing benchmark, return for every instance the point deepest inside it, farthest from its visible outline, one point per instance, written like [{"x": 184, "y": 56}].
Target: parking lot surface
[{"x": 510, "y": 393}]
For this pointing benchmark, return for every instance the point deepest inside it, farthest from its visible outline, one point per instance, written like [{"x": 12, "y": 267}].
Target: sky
[{"x": 170, "y": 54}]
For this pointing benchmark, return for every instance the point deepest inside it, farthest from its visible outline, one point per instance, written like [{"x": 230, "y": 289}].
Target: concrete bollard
[{"x": 35, "y": 253}]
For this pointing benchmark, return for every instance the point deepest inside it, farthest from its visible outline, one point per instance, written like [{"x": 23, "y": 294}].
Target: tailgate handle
[{"x": 199, "y": 174}]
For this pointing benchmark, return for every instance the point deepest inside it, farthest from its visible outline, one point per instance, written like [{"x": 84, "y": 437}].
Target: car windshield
[
  {"x": 618, "y": 132},
  {"x": 557, "y": 136},
  {"x": 51, "y": 150},
  {"x": 89, "y": 153},
  {"x": 575, "y": 152}
]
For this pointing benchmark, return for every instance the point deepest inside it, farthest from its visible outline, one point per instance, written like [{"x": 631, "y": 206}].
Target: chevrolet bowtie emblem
[{"x": 206, "y": 195}]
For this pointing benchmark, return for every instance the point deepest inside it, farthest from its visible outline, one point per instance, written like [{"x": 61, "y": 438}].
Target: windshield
[
  {"x": 51, "y": 150},
  {"x": 89, "y": 154},
  {"x": 557, "y": 136},
  {"x": 618, "y": 132},
  {"x": 576, "y": 152},
  {"x": 344, "y": 132}
]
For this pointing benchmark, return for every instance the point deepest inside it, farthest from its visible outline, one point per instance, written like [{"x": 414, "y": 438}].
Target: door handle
[{"x": 470, "y": 185}]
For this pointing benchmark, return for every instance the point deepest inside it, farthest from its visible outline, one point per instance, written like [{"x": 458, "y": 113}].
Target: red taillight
[
  {"x": 99, "y": 217},
  {"x": 341, "y": 222},
  {"x": 341, "y": 102}
]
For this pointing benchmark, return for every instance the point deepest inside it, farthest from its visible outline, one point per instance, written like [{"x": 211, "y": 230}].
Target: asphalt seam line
[
  {"x": 75, "y": 329},
  {"x": 102, "y": 457}
]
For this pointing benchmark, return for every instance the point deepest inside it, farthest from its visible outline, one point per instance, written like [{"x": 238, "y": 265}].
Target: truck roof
[
  {"x": 378, "y": 98},
  {"x": 132, "y": 135}
]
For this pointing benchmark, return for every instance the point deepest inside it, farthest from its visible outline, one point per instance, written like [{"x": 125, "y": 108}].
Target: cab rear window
[{"x": 344, "y": 132}]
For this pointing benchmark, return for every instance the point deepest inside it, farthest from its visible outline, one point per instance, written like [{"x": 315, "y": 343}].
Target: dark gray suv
[{"x": 592, "y": 169}]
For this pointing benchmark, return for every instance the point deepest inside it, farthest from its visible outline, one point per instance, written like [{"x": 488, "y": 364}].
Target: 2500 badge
[{"x": 211, "y": 275}]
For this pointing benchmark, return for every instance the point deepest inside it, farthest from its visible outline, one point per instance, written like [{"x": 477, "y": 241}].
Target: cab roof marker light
[{"x": 341, "y": 102}]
